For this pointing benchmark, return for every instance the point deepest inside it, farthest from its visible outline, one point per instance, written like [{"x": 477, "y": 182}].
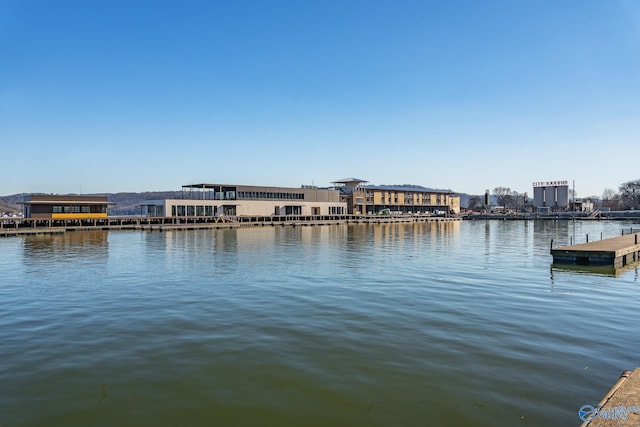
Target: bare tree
[
  {"x": 509, "y": 199},
  {"x": 608, "y": 194},
  {"x": 517, "y": 201},
  {"x": 630, "y": 193},
  {"x": 573, "y": 194},
  {"x": 503, "y": 195},
  {"x": 609, "y": 198},
  {"x": 476, "y": 202},
  {"x": 616, "y": 203}
]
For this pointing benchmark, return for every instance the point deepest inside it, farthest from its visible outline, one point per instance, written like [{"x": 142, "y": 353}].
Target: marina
[
  {"x": 30, "y": 226},
  {"x": 447, "y": 323},
  {"x": 285, "y": 214}
]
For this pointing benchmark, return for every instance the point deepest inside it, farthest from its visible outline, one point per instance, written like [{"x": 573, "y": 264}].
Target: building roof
[
  {"x": 241, "y": 187},
  {"x": 43, "y": 199},
  {"x": 348, "y": 180},
  {"x": 407, "y": 188},
  {"x": 206, "y": 185}
]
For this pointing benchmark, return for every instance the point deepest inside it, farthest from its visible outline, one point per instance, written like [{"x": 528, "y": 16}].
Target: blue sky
[{"x": 110, "y": 96}]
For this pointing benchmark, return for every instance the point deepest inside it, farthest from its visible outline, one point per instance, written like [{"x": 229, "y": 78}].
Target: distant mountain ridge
[
  {"x": 129, "y": 203},
  {"x": 123, "y": 203}
]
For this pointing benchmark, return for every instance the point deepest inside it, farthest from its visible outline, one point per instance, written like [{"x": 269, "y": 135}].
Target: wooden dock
[
  {"x": 29, "y": 226},
  {"x": 617, "y": 252},
  {"x": 619, "y": 407}
]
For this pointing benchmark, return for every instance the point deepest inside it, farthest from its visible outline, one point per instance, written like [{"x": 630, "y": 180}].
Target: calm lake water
[{"x": 442, "y": 324}]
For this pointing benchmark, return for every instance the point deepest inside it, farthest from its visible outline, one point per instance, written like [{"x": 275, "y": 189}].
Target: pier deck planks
[
  {"x": 620, "y": 407},
  {"x": 617, "y": 251}
]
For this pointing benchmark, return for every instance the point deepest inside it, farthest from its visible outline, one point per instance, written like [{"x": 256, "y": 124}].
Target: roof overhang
[
  {"x": 348, "y": 181},
  {"x": 62, "y": 202}
]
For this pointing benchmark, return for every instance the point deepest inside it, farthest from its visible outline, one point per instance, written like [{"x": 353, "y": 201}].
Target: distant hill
[
  {"x": 464, "y": 199},
  {"x": 129, "y": 203},
  {"x": 9, "y": 208},
  {"x": 123, "y": 203}
]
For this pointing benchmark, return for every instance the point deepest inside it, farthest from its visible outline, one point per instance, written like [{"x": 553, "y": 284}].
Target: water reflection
[
  {"x": 67, "y": 247},
  {"x": 356, "y": 237},
  {"x": 441, "y": 233},
  {"x": 448, "y": 324},
  {"x": 603, "y": 270},
  {"x": 281, "y": 249}
]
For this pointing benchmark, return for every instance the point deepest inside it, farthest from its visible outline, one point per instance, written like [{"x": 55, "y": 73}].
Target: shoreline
[
  {"x": 29, "y": 226},
  {"x": 22, "y": 227}
]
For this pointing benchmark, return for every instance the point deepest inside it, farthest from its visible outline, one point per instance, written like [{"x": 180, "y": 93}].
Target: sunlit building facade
[
  {"x": 414, "y": 199},
  {"x": 65, "y": 207},
  {"x": 248, "y": 200}
]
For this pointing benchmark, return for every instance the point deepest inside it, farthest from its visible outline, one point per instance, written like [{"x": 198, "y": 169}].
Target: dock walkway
[
  {"x": 617, "y": 252},
  {"x": 619, "y": 407},
  {"x": 30, "y": 226}
]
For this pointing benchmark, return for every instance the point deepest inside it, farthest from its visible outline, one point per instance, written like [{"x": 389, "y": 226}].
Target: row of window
[
  {"x": 408, "y": 197},
  {"x": 224, "y": 195},
  {"x": 79, "y": 209},
  {"x": 406, "y": 203},
  {"x": 191, "y": 210},
  {"x": 180, "y": 210},
  {"x": 270, "y": 195}
]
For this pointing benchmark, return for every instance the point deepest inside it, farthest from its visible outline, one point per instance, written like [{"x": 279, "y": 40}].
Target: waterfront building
[
  {"x": 372, "y": 199},
  {"x": 551, "y": 196},
  {"x": 352, "y": 193},
  {"x": 582, "y": 205},
  {"x": 65, "y": 207},
  {"x": 248, "y": 200}
]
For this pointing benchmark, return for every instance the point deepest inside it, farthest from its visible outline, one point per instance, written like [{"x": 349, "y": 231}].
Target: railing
[
  {"x": 594, "y": 214},
  {"x": 138, "y": 221},
  {"x": 630, "y": 230}
]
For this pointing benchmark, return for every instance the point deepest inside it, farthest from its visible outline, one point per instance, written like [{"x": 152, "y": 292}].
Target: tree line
[{"x": 627, "y": 197}]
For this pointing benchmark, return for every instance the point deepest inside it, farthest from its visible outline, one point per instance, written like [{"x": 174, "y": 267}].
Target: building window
[
  {"x": 229, "y": 210},
  {"x": 293, "y": 210}
]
